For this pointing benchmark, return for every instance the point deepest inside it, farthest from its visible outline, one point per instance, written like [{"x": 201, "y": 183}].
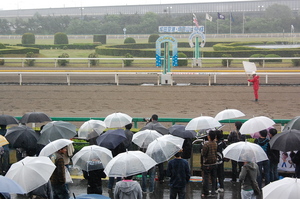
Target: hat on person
[{"x": 253, "y": 73}]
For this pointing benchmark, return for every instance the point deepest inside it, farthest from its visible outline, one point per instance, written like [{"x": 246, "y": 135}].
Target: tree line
[{"x": 274, "y": 19}]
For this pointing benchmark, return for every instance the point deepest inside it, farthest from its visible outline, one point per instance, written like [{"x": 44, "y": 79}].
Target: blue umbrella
[
  {"x": 111, "y": 138},
  {"x": 90, "y": 196},
  {"x": 10, "y": 186}
]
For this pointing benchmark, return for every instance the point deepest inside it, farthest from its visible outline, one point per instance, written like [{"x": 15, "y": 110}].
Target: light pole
[
  {"x": 81, "y": 13},
  {"x": 169, "y": 9},
  {"x": 124, "y": 30},
  {"x": 261, "y": 7}
]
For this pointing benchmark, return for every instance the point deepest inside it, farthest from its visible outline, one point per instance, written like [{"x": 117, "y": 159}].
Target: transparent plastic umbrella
[
  {"x": 287, "y": 188},
  {"x": 165, "y": 147},
  {"x": 256, "y": 124},
  {"x": 91, "y": 129},
  {"x": 31, "y": 172},
  {"x": 129, "y": 163},
  {"x": 92, "y": 157},
  {"x": 145, "y": 137},
  {"x": 54, "y": 146},
  {"x": 117, "y": 120},
  {"x": 203, "y": 122},
  {"x": 229, "y": 114},
  {"x": 245, "y": 152}
]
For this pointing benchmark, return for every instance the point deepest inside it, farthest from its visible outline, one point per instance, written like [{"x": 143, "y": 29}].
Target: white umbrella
[
  {"x": 117, "y": 120},
  {"x": 129, "y": 163},
  {"x": 287, "y": 188},
  {"x": 57, "y": 130},
  {"x": 229, "y": 114},
  {"x": 54, "y": 146},
  {"x": 92, "y": 157},
  {"x": 8, "y": 185},
  {"x": 145, "y": 137},
  {"x": 165, "y": 147},
  {"x": 91, "y": 129},
  {"x": 256, "y": 124},
  {"x": 31, "y": 172},
  {"x": 203, "y": 122},
  {"x": 245, "y": 152}
]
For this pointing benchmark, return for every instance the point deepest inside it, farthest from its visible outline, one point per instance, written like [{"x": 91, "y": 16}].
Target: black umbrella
[
  {"x": 293, "y": 124},
  {"x": 179, "y": 131},
  {"x": 7, "y": 120},
  {"x": 111, "y": 138},
  {"x": 34, "y": 117},
  {"x": 287, "y": 140},
  {"x": 157, "y": 127},
  {"x": 22, "y": 137}
]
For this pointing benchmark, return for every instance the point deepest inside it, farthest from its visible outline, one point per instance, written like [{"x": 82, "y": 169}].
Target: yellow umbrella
[{"x": 3, "y": 141}]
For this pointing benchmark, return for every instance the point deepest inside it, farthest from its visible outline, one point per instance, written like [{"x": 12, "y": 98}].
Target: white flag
[
  {"x": 208, "y": 17},
  {"x": 292, "y": 28}
]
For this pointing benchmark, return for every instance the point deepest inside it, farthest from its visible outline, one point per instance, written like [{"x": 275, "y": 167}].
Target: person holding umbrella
[
  {"x": 58, "y": 178},
  {"x": 255, "y": 82}
]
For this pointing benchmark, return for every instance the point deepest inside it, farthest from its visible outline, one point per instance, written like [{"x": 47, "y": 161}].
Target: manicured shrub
[
  {"x": 93, "y": 62},
  {"x": 2, "y": 61},
  {"x": 128, "y": 62},
  {"x": 224, "y": 61},
  {"x": 63, "y": 62},
  {"x": 2, "y": 46},
  {"x": 259, "y": 61},
  {"x": 28, "y": 38},
  {"x": 61, "y": 38},
  {"x": 153, "y": 38},
  {"x": 30, "y": 62},
  {"x": 296, "y": 62},
  {"x": 273, "y": 60},
  {"x": 99, "y": 38},
  {"x": 183, "y": 62},
  {"x": 129, "y": 40}
]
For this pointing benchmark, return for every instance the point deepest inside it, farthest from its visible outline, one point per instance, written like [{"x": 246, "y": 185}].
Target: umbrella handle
[{"x": 74, "y": 196}]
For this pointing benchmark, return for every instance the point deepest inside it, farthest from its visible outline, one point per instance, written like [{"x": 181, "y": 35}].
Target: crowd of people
[{"x": 249, "y": 174}]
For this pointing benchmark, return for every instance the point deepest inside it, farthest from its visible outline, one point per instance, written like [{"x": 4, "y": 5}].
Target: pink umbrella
[{"x": 256, "y": 134}]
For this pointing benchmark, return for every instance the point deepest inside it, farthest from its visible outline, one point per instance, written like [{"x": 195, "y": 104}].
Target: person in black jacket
[
  {"x": 94, "y": 181},
  {"x": 274, "y": 159},
  {"x": 296, "y": 160},
  {"x": 221, "y": 145}
]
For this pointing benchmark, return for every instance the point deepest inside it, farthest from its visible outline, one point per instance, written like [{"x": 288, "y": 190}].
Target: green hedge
[
  {"x": 19, "y": 50},
  {"x": 61, "y": 46}
]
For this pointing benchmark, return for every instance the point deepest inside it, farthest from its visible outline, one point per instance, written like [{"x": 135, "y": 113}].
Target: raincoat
[
  {"x": 249, "y": 171},
  {"x": 128, "y": 189},
  {"x": 255, "y": 81}
]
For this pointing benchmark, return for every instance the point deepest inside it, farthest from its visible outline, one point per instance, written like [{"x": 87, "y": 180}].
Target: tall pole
[
  {"x": 230, "y": 24},
  {"x": 217, "y": 26},
  {"x": 243, "y": 22}
]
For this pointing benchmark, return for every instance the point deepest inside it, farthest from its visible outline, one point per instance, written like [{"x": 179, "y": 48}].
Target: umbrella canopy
[
  {"x": 54, "y": 146},
  {"x": 92, "y": 157},
  {"x": 287, "y": 140},
  {"x": 90, "y": 196},
  {"x": 157, "y": 127},
  {"x": 165, "y": 147},
  {"x": 91, "y": 129},
  {"x": 111, "y": 138},
  {"x": 34, "y": 117},
  {"x": 245, "y": 152},
  {"x": 7, "y": 120},
  {"x": 288, "y": 188},
  {"x": 3, "y": 141},
  {"x": 117, "y": 120},
  {"x": 22, "y": 137},
  {"x": 129, "y": 163},
  {"x": 10, "y": 186},
  {"x": 256, "y": 124},
  {"x": 57, "y": 130},
  {"x": 203, "y": 122},
  {"x": 31, "y": 172},
  {"x": 229, "y": 114},
  {"x": 293, "y": 124},
  {"x": 145, "y": 137},
  {"x": 179, "y": 131}
]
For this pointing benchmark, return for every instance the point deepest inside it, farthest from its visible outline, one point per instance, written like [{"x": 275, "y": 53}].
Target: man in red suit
[{"x": 255, "y": 82}]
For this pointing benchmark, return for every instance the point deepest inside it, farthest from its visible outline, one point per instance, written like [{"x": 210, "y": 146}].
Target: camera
[{"x": 147, "y": 119}]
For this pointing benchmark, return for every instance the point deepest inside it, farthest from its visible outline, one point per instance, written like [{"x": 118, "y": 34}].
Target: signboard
[
  {"x": 197, "y": 34},
  {"x": 159, "y": 41},
  {"x": 249, "y": 67},
  {"x": 179, "y": 29}
]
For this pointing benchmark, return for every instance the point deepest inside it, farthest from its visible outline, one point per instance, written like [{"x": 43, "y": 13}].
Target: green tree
[{"x": 61, "y": 38}]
